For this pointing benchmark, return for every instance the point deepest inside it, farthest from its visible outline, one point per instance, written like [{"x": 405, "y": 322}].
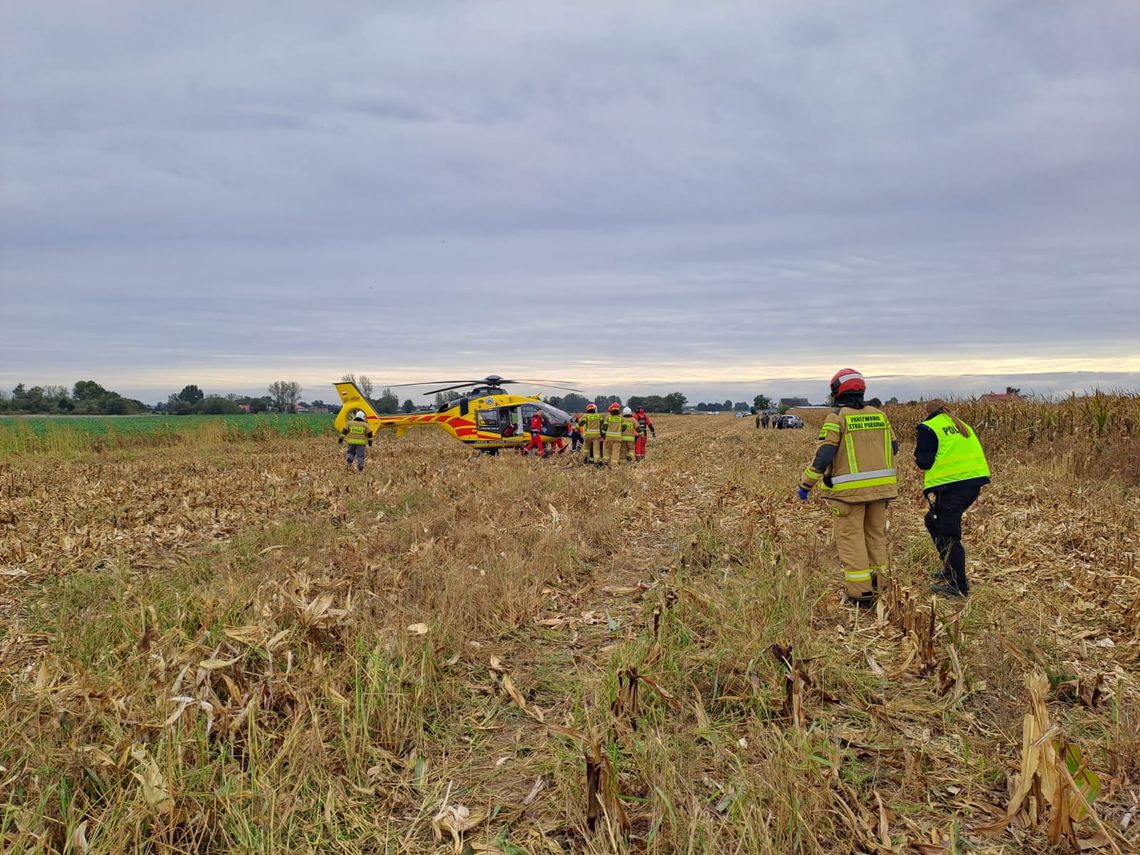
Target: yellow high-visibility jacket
[{"x": 855, "y": 457}]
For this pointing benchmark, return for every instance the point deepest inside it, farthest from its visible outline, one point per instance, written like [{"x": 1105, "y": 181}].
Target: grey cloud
[{"x": 704, "y": 179}]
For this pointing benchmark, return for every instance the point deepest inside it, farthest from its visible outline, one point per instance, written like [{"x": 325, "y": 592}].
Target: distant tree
[
  {"x": 573, "y": 402},
  {"x": 740, "y": 406},
  {"x": 191, "y": 394},
  {"x": 1010, "y": 390},
  {"x": 892, "y": 400},
  {"x": 215, "y": 405},
  {"x": 761, "y": 402},
  {"x": 674, "y": 402},
  {"x": 387, "y": 403},
  {"x": 349, "y": 378},
  {"x": 727, "y": 405},
  {"x": 671, "y": 403},
  {"x": 408, "y": 406},
  {"x": 30, "y": 400},
  {"x": 442, "y": 399},
  {"x": 604, "y": 401},
  {"x": 88, "y": 390},
  {"x": 364, "y": 384},
  {"x": 875, "y": 402},
  {"x": 285, "y": 394}
]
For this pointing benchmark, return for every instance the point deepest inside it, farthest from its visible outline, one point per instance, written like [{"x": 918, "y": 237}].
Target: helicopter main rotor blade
[
  {"x": 432, "y": 383},
  {"x": 549, "y": 385},
  {"x": 450, "y": 388}
]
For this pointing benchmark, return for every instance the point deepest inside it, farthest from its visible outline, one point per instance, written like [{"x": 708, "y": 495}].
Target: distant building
[
  {"x": 1001, "y": 397},
  {"x": 245, "y": 408},
  {"x": 793, "y": 402}
]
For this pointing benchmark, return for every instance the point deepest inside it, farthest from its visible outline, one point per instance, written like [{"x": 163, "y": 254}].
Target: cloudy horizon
[{"x": 638, "y": 197}]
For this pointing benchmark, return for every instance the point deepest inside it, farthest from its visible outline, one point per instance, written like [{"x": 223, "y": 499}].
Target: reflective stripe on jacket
[
  {"x": 357, "y": 433},
  {"x": 592, "y": 425},
  {"x": 959, "y": 457},
  {"x": 863, "y": 468},
  {"x": 613, "y": 426}
]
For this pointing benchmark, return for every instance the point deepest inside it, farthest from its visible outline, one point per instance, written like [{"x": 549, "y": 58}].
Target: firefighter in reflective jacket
[
  {"x": 356, "y": 435},
  {"x": 611, "y": 429},
  {"x": 644, "y": 427},
  {"x": 854, "y": 464},
  {"x": 628, "y": 434},
  {"x": 955, "y": 466},
  {"x": 592, "y": 433}
]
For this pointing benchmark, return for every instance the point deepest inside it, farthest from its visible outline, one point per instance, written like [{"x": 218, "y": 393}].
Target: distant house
[
  {"x": 1001, "y": 397},
  {"x": 245, "y": 408}
]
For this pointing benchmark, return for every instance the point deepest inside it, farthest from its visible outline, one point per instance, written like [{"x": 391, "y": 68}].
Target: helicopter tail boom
[{"x": 352, "y": 401}]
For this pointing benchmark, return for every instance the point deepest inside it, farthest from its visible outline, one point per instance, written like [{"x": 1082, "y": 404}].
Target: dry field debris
[{"x": 235, "y": 646}]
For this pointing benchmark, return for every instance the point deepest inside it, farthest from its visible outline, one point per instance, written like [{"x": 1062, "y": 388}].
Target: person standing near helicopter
[
  {"x": 592, "y": 433},
  {"x": 575, "y": 433},
  {"x": 612, "y": 431},
  {"x": 536, "y": 434},
  {"x": 357, "y": 434}
]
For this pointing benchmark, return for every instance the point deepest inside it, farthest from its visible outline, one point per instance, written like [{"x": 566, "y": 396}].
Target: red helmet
[
  {"x": 615, "y": 407},
  {"x": 591, "y": 407},
  {"x": 847, "y": 380}
]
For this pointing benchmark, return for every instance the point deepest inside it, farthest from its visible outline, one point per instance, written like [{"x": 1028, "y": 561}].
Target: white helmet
[{"x": 627, "y": 412}]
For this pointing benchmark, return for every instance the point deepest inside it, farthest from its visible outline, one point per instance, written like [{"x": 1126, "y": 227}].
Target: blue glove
[{"x": 802, "y": 493}]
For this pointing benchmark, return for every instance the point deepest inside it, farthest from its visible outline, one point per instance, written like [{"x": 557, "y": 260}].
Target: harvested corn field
[{"x": 237, "y": 646}]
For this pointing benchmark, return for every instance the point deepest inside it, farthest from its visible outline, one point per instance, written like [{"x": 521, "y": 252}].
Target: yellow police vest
[{"x": 959, "y": 457}]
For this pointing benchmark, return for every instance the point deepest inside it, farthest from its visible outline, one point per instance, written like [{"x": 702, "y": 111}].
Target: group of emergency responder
[
  {"x": 854, "y": 467},
  {"x": 619, "y": 435}
]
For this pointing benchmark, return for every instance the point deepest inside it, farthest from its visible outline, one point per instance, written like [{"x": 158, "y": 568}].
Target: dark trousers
[{"x": 944, "y": 522}]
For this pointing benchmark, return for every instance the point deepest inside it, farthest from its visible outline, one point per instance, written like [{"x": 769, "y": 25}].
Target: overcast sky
[{"x": 716, "y": 197}]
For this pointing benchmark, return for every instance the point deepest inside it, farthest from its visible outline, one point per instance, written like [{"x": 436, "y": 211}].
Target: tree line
[
  {"x": 85, "y": 398},
  {"x": 88, "y": 398}
]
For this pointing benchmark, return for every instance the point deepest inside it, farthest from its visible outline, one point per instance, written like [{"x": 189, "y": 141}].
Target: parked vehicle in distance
[{"x": 790, "y": 421}]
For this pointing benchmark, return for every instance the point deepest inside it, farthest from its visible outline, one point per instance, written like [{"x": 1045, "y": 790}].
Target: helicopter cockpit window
[
  {"x": 488, "y": 419},
  {"x": 551, "y": 415}
]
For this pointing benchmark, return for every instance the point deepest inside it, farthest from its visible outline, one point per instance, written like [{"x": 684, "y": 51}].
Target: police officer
[
  {"x": 356, "y": 435},
  {"x": 949, "y": 453},
  {"x": 855, "y": 463}
]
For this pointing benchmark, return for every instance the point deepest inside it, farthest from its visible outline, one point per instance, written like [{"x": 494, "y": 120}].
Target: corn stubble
[{"x": 237, "y": 647}]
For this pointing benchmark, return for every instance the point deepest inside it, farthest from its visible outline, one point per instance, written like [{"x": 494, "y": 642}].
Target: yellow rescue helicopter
[{"x": 485, "y": 417}]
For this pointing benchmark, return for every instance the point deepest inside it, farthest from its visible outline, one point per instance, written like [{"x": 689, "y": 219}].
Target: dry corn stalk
[
  {"x": 794, "y": 681},
  {"x": 602, "y": 796},
  {"x": 1053, "y": 782}
]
